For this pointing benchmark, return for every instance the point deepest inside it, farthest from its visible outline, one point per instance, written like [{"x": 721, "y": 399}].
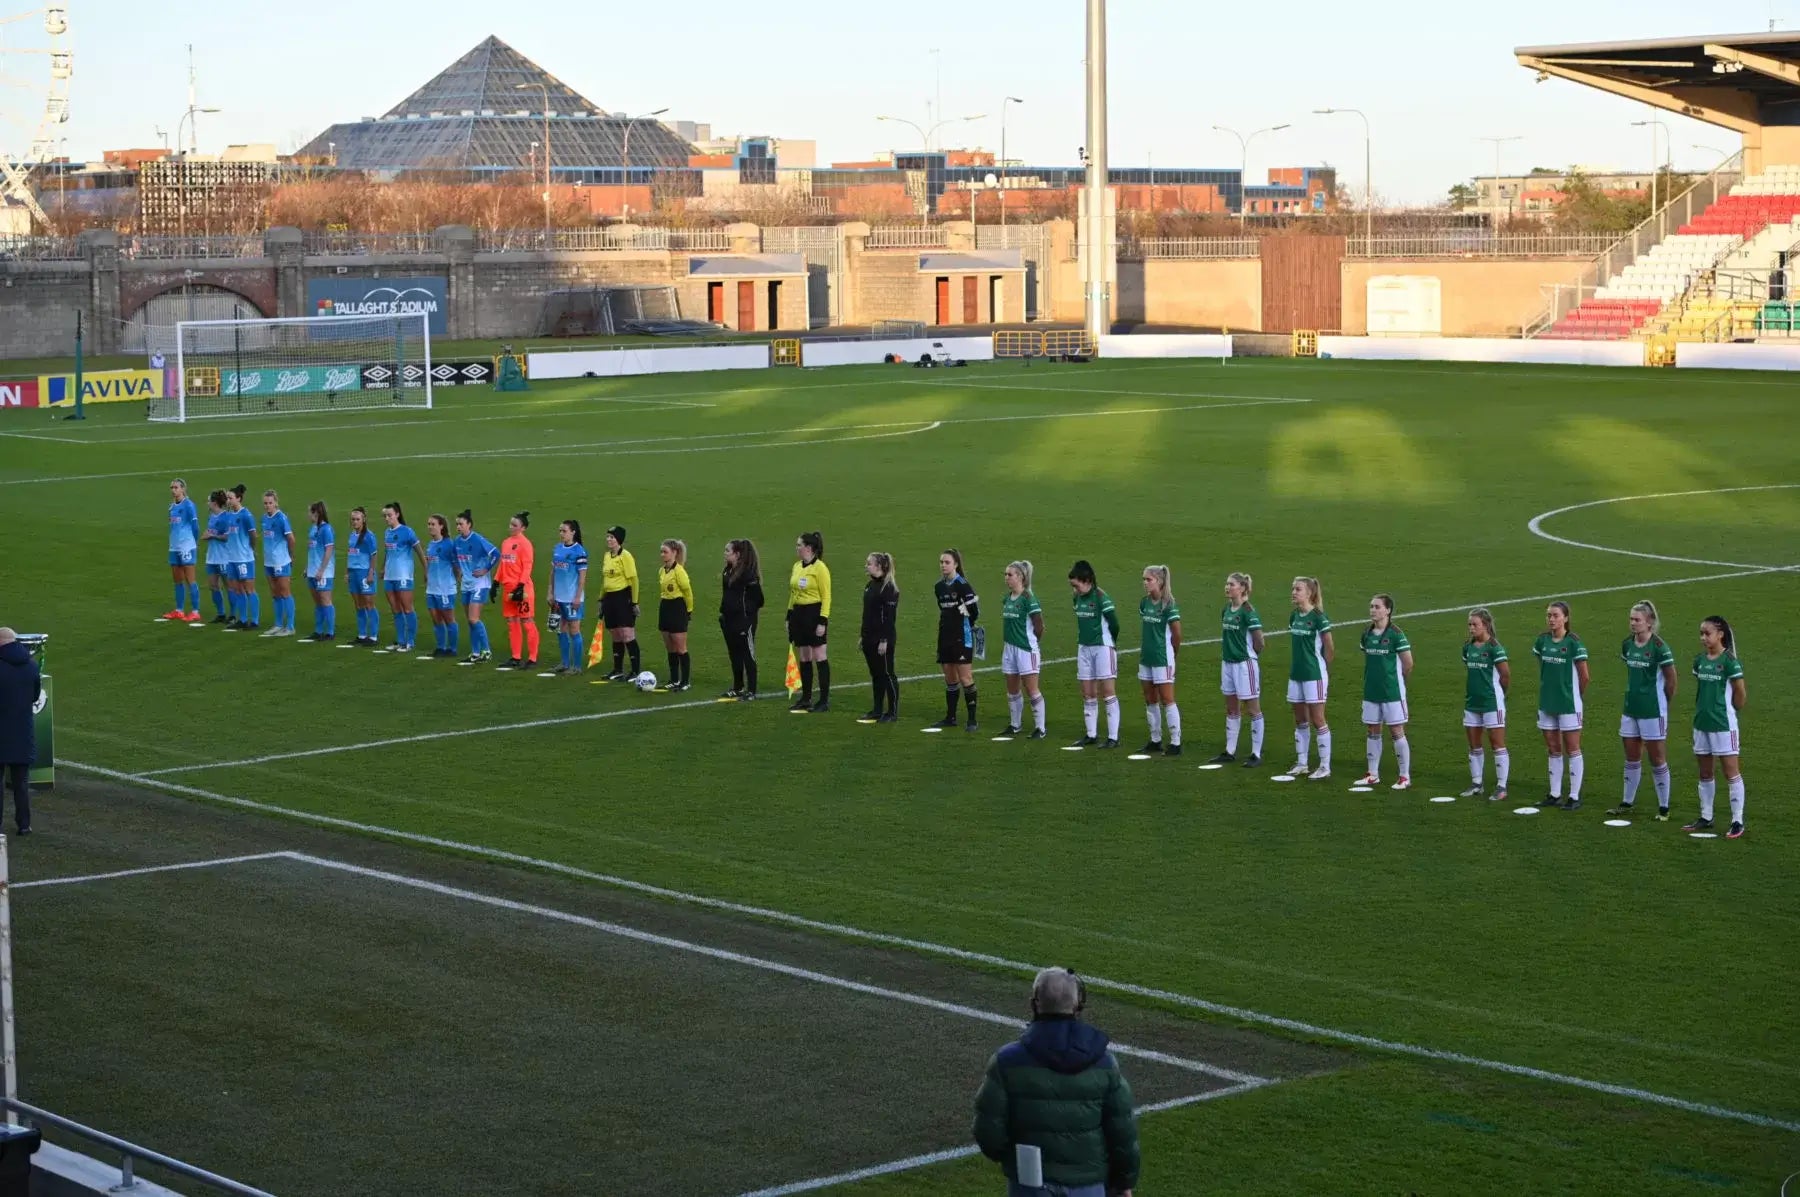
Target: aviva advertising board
[
  {"x": 100, "y": 386},
  {"x": 329, "y": 297}
]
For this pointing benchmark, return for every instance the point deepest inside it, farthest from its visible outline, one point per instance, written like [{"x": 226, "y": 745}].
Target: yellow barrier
[
  {"x": 1014, "y": 343},
  {"x": 1306, "y": 342},
  {"x": 785, "y": 352},
  {"x": 203, "y": 381},
  {"x": 1660, "y": 350},
  {"x": 1069, "y": 342}
]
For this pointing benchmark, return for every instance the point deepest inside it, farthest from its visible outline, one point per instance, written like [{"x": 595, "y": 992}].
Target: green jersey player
[
  {"x": 1644, "y": 726},
  {"x": 1240, "y": 670},
  {"x": 1387, "y": 663},
  {"x": 1096, "y": 656},
  {"x": 1156, "y": 660},
  {"x": 1309, "y": 676},
  {"x": 1562, "y": 684},
  {"x": 1484, "y": 703},
  {"x": 1718, "y": 697},
  {"x": 1022, "y": 627}
]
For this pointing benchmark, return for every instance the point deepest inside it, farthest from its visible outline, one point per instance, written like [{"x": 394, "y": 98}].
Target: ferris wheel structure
[{"x": 36, "y": 65}]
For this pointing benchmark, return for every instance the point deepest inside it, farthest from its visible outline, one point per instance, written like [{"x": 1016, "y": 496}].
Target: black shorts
[
  {"x": 803, "y": 626},
  {"x": 672, "y": 615},
  {"x": 615, "y": 609},
  {"x": 953, "y": 650}
]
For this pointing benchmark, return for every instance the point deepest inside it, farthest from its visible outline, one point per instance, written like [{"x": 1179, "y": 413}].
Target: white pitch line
[
  {"x": 624, "y": 712},
  {"x": 34, "y": 436},
  {"x": 636, "y": 935},
  {"x": 962, "y": 1153},
  {"x": 936, "y": 949},
  {"x": 1536, "y": 525},
  {"x": 145, "y": 872}
]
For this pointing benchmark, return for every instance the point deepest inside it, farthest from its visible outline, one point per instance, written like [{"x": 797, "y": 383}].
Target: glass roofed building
[{"x": 485, "y": 112}]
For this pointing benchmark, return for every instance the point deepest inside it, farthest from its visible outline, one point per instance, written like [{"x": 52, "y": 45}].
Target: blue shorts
[
  {"x": 319, "y": 587},
  {"x": 571, "y": 612},
  {"x": 279, "y": 571},
  {"x": 181, "y": 556},
  {"x": 440, "y": 602},
  {"x": 215, "y": 569},
  {"x": 480, "y": 595},
  {"x": 393, "y": 587},
  {"x": 361, "y": 582},
  {"x": 240, "y": 571}
]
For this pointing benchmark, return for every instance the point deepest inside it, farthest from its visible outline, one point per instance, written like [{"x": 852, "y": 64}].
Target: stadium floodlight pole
[
  {"x": 1244, "y": 163},
  {"x": 181, "y": 169},
  {"x": 1099, "y": 236},
  {"x": 1003, "y": 104},
  {"x": 1498, "y": 142},
  {"x": 1655, "y": 166},
  {"x": 545, "y": 88},
  {"x": 625, "y": 157},
  {"x": 1368, "y": 172}
]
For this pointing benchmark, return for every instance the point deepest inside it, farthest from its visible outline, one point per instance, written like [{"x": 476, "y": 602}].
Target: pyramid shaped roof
[{"x": 485, "y": 111}]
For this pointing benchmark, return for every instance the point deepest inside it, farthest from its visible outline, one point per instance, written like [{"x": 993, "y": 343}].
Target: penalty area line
[{"x": 946, "y": 951}]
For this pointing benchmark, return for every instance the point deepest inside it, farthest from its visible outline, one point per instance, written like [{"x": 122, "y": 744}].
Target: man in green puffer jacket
[{"x": 1058, "y": 1089}]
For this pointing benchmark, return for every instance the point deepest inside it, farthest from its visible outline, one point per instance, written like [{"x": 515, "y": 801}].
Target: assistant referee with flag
[{"x": 809, "y": 610}]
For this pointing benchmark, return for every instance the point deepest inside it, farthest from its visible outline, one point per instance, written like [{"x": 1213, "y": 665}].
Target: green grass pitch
[{"x": 1254, "y": 927}]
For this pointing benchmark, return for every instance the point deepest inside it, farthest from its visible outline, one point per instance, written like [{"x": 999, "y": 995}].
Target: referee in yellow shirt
[
  {"x": 675, "y": 612},
  {"x": 809, "y": 610},
  {"x": 619, "y": 603}
]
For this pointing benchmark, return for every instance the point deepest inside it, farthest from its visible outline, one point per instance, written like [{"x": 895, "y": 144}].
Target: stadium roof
[
  {"x": 1741, "y": 81},
  {"x": 484, "y": 112}
]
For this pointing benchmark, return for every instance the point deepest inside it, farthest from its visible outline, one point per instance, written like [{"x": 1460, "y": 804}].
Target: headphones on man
[{"x": 1080, "y": 991}]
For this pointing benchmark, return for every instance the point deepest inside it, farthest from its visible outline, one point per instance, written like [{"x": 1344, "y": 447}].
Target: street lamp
[
  {"x": 1368, "y": 172},
  {"x": 1498, "y": 142},
  {"x": 545, "y": 89},
  {"x": 1655, "y": 166},
  {"x": 181, "y": 167},
  {"x": 1244, "y": 163},
  {"x": 1003, "y": 104},
  {"x": 625, "y": 157},
  {"x": 925, "y": 134}
]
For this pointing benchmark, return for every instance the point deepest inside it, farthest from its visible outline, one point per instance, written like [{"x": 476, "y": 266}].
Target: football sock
[
  {"x": 637, "y": 660},
  {"x": 1172, "y": 720},
  {"x": 218, "y": 597},
  {"x": 1478, "y": 765},
  {"x": 180, "y": 594},
  {"x": 1634, "y": 773},
  {"x": 1015, "y": 709},
  {"x": 1577, "y": 766},
  {"x": 825, "y": 681},
  {"x": 255, "y": 606},
  {"x": 806, "y": 676},
  {"x": 1707, "y": 788},
  {"x": 969, "y": 701},
  {"x": 1090, "y": 717},
  {"x": 1734, "y": 789},
  {"x": 193, "y": 589},
  {"x": 515, "y": 639},
  {"x": 1556, "y": 775},
  {"x": 1403, "y": 755},
  {"x": 1372, "y": 754},
  {"x": 1038, "y": 710},
  {"x": 1324, "y": 735},
  {"x": 532, "y": 638},
  {"x": 1233, "y": 725},
  {"x": 1302, "y": 743},
  {"x": 618, "y": 657},
  {"x": 1256, "y": 735},
  {"x": 950, "y": 693},
  {"x": 674, "y": 668},
  {"x": 577, "y": 650},
  {"x": 1153, "y": 716},
  {"x": 1502, "y": 767},
  {"x": 687, "y": 669},
  {"x": 1659, "y": 777},
  {"x": 1112, "y": 717}
]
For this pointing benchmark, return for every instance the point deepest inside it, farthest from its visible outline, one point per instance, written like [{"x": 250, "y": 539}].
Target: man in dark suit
[{"x": 20, "y": 686}]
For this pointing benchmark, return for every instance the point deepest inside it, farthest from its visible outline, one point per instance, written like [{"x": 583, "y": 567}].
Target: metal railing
[
  {"x": 357, "y": 244},
  {"x": 1471, "y": 243},
  {"x": 907, "y": 236},
  {"x": 230, "y": 245},
  {"x": 130, "y": 1153},
  {"x": 521, "y": 240},
  {"x": 1136, "y": 249},
  {"x": 40, "y": 249},
  {"x": 1562, "y": 298}
]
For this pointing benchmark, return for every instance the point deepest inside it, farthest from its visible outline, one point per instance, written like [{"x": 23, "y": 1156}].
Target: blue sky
[{"x": 1432, "y": 76}]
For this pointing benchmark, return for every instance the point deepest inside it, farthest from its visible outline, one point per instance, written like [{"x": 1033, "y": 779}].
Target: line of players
[{"x": 468, "y": 568}]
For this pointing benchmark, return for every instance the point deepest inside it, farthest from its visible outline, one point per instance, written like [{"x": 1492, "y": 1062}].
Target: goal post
[{"x": 300, "y": 364}]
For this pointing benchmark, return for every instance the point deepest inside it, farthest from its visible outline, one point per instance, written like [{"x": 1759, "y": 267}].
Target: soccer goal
[{"x": 317, "y": 363}]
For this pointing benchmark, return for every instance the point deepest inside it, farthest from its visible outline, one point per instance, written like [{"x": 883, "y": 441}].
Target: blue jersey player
[
  {"x": 400, "y": 556},
  {"x": 441, "y": 585},
  {"x": 184, "y": 547},
  {"x": 359, "y": 569},
  {"x": 278, "y": 563},
  {"x": 476, "y": 558},
  {"x": 321, "y": 563},
  {"x": 240, "y": 561},
  {"x": 568, "y": 593},
  {"x": 218, "y": 520}
]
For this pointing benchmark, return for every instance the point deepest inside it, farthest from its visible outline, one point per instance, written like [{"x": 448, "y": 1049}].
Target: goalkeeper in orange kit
[{"x": 518, "y": 594}]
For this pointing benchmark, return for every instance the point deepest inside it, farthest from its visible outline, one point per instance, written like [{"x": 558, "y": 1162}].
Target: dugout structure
[{"x": 607, "y": 311}]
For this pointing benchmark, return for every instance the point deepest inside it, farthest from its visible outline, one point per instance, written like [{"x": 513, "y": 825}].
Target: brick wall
[{"x": 38, "y": 302}]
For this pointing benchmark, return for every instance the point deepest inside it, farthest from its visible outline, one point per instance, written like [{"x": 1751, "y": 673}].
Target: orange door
[
  {"x": 971, "y": 304},
  {"x": 715, "y": 302},
  {"x": 746, "y": 306},
  {"x": 943, "y": 300}
]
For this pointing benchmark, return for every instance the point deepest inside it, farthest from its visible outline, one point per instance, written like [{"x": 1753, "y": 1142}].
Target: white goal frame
[{"x": 182, "y": 415}]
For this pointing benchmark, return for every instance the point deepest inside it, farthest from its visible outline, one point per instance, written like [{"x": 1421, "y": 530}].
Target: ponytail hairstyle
[
  {"x": 1718, "y": 621},
  {"x": 365, "y": 516},
  {"x": 1487, "y": 621},
  {"x": 467, "y": 515},
  {"x": 885, "y": 580},
  {"x": 524, "y": 518},
  {"x": 1315, "y": 593},
  {"x": 1242, "y": 579},
  {"x": 748, "y": 569},
  {"x": 956, "y": 556},
  {"x": 1081, "y": 571},
  {"x": 217, "y": 499},
  {"x": 1648, "y": 610},
  {"x": 399, "y": 514},
  {"x": 317, "y": 510},
  {"x": 270, "y": 494},
  {"x": 1024, "y": 571},
  {"x": 240, "y": 490},
  {"x": 574, "y": 527},
  {"x": 1568, "y": 620},
  {"x": 816, "y": 542},
  {"x": 443, "y": 525},
  {"x": 1386, "y": 600},
  {"x": 679, "y": 548},
  {"x": 1161, "y": 574}
]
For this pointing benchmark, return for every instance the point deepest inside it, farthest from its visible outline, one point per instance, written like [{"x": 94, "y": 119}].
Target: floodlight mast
[{"x": 1097, "y": 237}]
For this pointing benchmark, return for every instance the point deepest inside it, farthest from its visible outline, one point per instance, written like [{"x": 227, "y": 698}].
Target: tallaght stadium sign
[{"x": 340, "y": 297}]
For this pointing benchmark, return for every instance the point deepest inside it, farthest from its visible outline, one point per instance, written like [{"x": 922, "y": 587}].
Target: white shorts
[
  {"x": 1484, "y": 719},
  {"x": 1393, "y": 714},
  {"x": 1566, "y": 723},
  {"x": 1096, "y": 662},
  {"x": 1020, "y": 662},
  {"x": 1161, "y": 675},
  {"x": 1312, "y": 692},
  {"x": 1240, "y": 679},
  {"x": 1643, "y": 729},
  {"x": 1723, "y": 743}
]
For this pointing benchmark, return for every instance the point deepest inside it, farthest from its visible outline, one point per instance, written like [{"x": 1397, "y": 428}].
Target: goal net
[{"x": 319, "y": 363}]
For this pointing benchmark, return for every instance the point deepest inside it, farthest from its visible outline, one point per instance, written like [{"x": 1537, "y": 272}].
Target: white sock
[
  {"x": 1734, "y": 788},
  {"x": 1112, "y": 717},
  {"x": 1707, "y": 788},
  {"x": 1015, "y": 709},
  {"x": 1037, "y": 709},
  {"x": 1172, "y": 717},
  {"x": 1659, "y": 777},
  {"x": 1634, "y": 772},
  {"x": 1403, "y": 754},
  {"x": 1302, "y": 743},
  {"x": 1233, "y": 724},
  {"x": 1153, "y": 715},
  {"x": 1502, "y": 767},
  {"x": 1256, "y": 736},
  {"x": 1372, "y": 754},
  {"x": 1090, "y": 716},
  {"x": 1477, "y": 766},
  {"x": 1325, "y": 747},
  {"x": 1556, "y": 772},
  {"x": 1577, "y": 766}
]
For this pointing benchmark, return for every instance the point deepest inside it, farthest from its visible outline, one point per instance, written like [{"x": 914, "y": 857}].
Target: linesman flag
[
  {"x": 597, "y": 647},
  {"x": 793, "y": 673}
]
